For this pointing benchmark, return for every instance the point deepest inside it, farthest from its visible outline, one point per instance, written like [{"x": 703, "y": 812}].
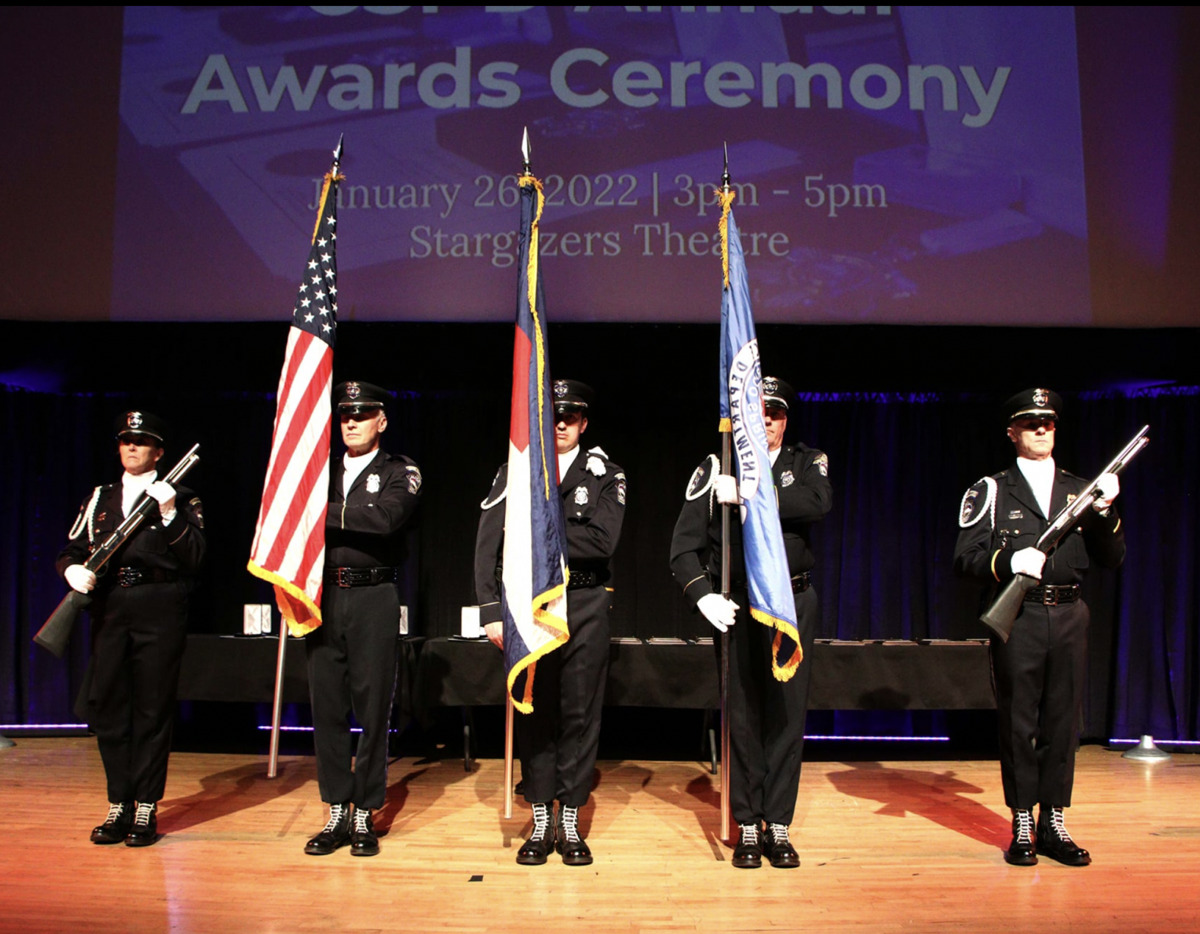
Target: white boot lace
[
  {"x": 337, "y": 813},
  {"x": 749, "y": 834},
  {"x": 569, "y": 821},
  {"x": 115, "y": 813},
  {"x": 1058, "y": 826},
  {"x": 541, "y": 821},
  {"x": 1023, "y": 825},
  {"x": 145, "y": 811},
  {"x": 362, "y": 820},
  {"x": 778, "y": 833}
]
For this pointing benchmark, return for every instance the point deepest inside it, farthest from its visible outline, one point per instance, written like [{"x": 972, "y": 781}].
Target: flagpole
[
  {"x": 526, "y": 171},
  {"x": 281, "y": 655},
  {"x": 726, "y": 514},
  {"x": 508, "y": 756},
  {"x": 273, "y": 759}
]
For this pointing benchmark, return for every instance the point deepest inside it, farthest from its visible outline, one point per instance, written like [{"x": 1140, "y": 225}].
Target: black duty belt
[
  {"x": 1052, "y": 594},
  {"x": 361, "y": 577},
  {"x": 581, "y": 579},
  {"x": 132, "y": 577}
]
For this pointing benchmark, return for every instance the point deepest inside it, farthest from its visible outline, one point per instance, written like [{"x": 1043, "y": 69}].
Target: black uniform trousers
[
  {"x": 138, "y": 641},
  {"x": 766, "y": 716},
  {"x": 559, "y": 740},
  {"x": 352, "y": 669},
  {"x": 1039, "y": 680}
]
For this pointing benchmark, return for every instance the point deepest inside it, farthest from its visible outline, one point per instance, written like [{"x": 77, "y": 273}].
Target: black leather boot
[
  {"x": 1022, "y": 851},
  {"x": 335, "y": 833},
  {"x": 778, "y": 849},
  {"x": 541, "y": 840},
  {"x": 574, "y": 850},
  {"x": 363, "y": 841},
  {"x": 1054, "y": 841},
  {"x": 749, "y": 850},
  {"x": 144, "y": 829},
  {"x": 116, "y": 825}
]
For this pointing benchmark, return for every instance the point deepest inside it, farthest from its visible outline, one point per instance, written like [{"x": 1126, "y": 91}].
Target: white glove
[
  {"x": 80, "y": 578},
  {"x": 718, "y": 610},
  {"x": 165, "y": 494},
  {"x": 727, "y": 490},
  {"x": 1028, "y": 561},
  {"x": 1107, "y": 489}
]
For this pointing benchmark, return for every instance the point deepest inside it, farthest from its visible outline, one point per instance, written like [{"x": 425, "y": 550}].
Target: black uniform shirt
[
  {"x": 176, "y": 548},
  {"x": 593, "y": 495},
  {"x": 805, "y": 495},
  {"x": 360, "y": 528},
  {"x": 1000, "y": 516}
]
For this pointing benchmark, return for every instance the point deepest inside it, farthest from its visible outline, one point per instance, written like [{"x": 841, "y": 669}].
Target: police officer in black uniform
[
  {"x": 1039, "y": 672},
  {"x": 557, "y": 742},
  {"x": 766, "y": 726},
  {"x": 139, "y": 625},
  {"x": 352, "y": 654}
]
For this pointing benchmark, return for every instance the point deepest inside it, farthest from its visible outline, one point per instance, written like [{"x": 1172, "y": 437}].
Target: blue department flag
[
  {"x": 741, "y": 404},
  {"x": 533, "y": 582}
]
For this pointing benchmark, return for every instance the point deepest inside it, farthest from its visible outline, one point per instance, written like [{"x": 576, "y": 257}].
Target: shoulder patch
[
  {"x": 977, "y": 502},
  {"x": 703, "y": 478},
  {"x": 196, "y": 508},
  {"x": 821, "y": 462},
  {"x": 413, "y": 478},
  {"x": 496, "y": 496}
]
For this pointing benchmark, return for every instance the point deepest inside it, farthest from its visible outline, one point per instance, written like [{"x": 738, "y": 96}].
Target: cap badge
[
  {"x": 1040, "y": 397},
  {"x": 353, "y": 390},
  {"x": 770, "y": 384},
  {"x": 560, "y": 388},
  {"x": 134, "y": 419}
]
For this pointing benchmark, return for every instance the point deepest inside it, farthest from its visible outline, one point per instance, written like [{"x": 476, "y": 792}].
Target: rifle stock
[
  {"x": 1000, "y": 616},
  {"x": 56, "y": 631}
]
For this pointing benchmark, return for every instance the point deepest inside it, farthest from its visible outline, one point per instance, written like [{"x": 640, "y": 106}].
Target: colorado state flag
[{"x": 533, "y": 582}]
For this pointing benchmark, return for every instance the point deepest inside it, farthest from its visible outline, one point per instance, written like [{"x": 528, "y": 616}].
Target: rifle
[
  {"x": 1000, "y": 616},
  {"x": 56, "y": 631}
]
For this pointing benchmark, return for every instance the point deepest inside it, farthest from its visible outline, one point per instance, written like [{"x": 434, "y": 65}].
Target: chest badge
[
  {"x": 581, "y": 496},
  {"x": 787, "y": 479},
  {"x": 1016, "y": 514},
  {"x": 373, "y": 483}
]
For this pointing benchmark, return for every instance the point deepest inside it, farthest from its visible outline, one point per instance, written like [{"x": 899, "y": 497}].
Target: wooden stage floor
[{"x": 886, "y": 847}]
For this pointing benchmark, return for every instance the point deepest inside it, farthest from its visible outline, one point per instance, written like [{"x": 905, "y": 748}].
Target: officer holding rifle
[
  {"x": 1039, "y": 669},
  {"x": 139, "y": 624}
]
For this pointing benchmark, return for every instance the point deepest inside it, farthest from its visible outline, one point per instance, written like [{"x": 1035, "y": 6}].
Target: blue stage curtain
[{"x": 899, "y": 463}]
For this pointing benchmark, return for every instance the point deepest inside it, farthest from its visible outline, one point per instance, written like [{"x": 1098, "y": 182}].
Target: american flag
[
  {"x": 741, "y": 406},
  {"x": 289, "y": 542},
  {"x": 534, "y": 579}
]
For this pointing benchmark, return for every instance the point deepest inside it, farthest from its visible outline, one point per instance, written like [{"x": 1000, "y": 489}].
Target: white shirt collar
[{"x": 565, "y": 461}]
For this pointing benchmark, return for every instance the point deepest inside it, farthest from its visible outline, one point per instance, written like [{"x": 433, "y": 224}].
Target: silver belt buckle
[{"x": 1049, "y": 597}]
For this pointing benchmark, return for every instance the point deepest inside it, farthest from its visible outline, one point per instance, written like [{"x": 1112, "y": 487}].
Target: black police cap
[
  {"x": 1033, "y": 403},
  {"x": 570, "y": 395},
  {"x": 358, "y": 398},
  {"x": 777, "y": 393},
  {"x": 136, "y": 422}
]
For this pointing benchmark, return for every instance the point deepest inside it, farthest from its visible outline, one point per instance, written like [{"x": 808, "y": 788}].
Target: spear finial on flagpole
[
  {"x": 337, "y": 153},
  {"x": 725, "y": 179},
  {"x": 526, "y": 153}
]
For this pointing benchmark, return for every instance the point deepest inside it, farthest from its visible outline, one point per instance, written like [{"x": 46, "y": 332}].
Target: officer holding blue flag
[{"x": 766, "y": 713}]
